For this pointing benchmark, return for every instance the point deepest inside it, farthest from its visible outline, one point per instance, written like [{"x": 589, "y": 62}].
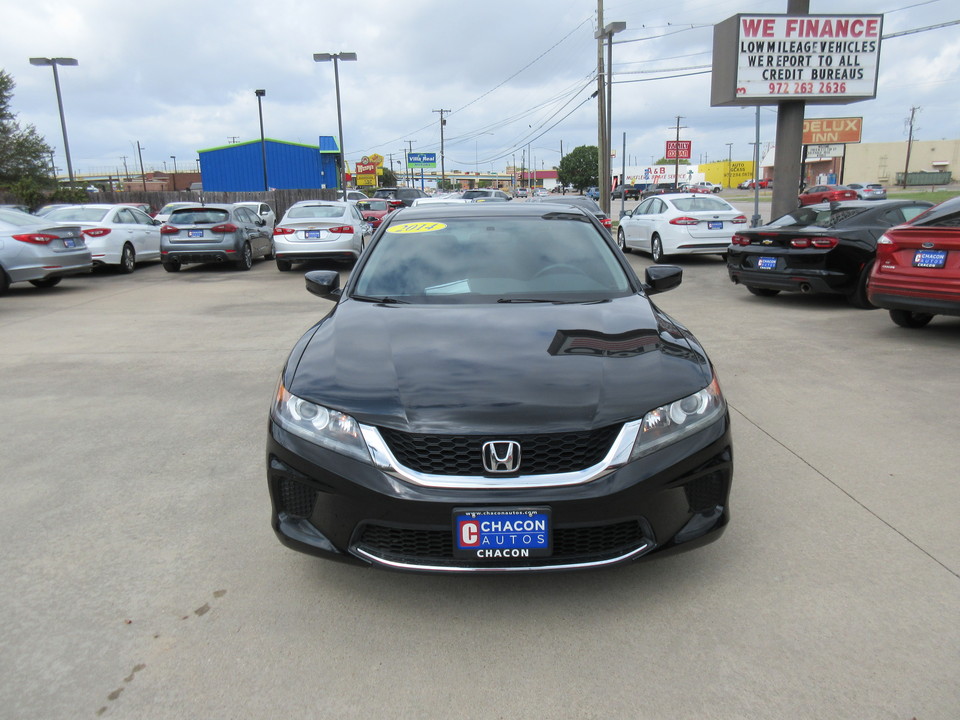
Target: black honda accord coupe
[{"x": 494, "y": 391}]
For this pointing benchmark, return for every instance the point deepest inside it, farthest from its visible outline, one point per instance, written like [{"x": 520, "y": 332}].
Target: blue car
[{"x": 593, "y": 192}]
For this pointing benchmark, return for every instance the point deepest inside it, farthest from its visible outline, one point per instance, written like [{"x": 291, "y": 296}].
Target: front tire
[
  {"x": 622, "y": 240},
  {"x": 246, "y": 257},
  {"x": 909, "y": 319},
  {"x": 128, "y": 259},
  {"x": 656, "y": 249},
  {"x": 46, "y": 282}
]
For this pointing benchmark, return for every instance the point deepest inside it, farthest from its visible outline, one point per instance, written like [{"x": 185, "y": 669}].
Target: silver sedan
[
  {"x": 39, "y": 252},
  {"x": 118, "y": 235},
  {"x": 319, "y": 230}
]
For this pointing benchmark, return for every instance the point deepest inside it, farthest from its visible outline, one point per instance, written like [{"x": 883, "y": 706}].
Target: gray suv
[
  {"x": 405, "y": 195},
  {"x": 214, "y": 234}
]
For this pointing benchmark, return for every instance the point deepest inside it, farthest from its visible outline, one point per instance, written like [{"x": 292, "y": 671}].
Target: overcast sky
[{"x": 179, "y": 76}]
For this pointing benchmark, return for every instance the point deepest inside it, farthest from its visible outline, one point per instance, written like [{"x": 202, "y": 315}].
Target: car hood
[{"x": 504, "y": 368}]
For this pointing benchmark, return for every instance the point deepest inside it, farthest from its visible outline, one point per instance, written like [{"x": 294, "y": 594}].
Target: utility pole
[
  {"x": 126, "y": 173},
  {"x": 143, "y": 176},
  {"x": 603, "y": 174},
  {"x": 443, "y": 170},
  {"x": 410, "y": 181},
  {"x": 906, "y": 167},
  {"x": 676, "y": 164},
  {"x": 729, "y": 160}
]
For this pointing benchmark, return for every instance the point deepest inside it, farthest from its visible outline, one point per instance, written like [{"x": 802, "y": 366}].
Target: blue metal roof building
[{"x": 239, "y": 167}]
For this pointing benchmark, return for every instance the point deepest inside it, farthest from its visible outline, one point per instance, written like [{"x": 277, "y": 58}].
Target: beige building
[{"x": 877, "y": 162}]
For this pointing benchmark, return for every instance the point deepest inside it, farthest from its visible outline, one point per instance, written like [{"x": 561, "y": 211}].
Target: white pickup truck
[{"x": 704, "y": 185}]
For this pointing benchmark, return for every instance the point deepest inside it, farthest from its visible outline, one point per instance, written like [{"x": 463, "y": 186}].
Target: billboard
[
  {"x": 766, "y": 59},
  {"x": 824, "y": 131},
  {"x": 422, "y": 160}
]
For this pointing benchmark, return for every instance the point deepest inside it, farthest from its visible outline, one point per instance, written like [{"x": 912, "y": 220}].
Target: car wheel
[
  {"x": 128, "y": 260},
  {"x": 284, "y": 265},
  {"x": 246, "y": 258},
  {"x": 46, "y": 282},
  {"x": 909, "y": 319},
  {"x": 656, "y": 249},
  {"x": 4, "y": 282},
  {"x": 622, "y": 240},
  {"x": 171, "y": 265},
  {"x": 858, "y": 296},
  {"x": 762, "y": 292}
]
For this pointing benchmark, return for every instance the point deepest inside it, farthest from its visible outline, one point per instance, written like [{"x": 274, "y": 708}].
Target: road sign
[{"x": 678, "y": 149}]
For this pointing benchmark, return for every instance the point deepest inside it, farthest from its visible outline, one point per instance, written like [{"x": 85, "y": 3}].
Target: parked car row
[{"x": 903, "y": 255}]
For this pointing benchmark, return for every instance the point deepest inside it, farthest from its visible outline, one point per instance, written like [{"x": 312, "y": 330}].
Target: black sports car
[
  {"x": 493, "y": 391},
  {"x": 824, "y": 248}
]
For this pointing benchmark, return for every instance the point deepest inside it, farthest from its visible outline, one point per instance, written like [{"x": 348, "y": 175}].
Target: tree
[
  {"x": 579, "y": 167},
  {"x": 24, "y": 154},
  {"x": 671, "y": 161}
]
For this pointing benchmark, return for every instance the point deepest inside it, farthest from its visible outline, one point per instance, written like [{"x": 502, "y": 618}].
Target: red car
[
  {"x": 826, "y": 193},
  {"x": 375, "y": 210},
  {"x": 917, "y": 271}
]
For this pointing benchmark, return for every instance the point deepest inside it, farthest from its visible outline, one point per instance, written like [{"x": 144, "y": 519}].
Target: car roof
[{"x": 471, "y": 210}]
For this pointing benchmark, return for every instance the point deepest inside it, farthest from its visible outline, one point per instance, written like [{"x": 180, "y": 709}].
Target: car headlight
[
  {"x": 669, "y": 423},
  {"x": 322, "y": 426}
]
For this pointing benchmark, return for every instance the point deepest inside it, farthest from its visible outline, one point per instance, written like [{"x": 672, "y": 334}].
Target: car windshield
[
  {"x": 77, "y": 214},
  {"x": 315, "y": 211},
  {"x": 385, "y": 193},
  {"x": 14, "y": 218},
  {"x": 199, "y": 216},
  {"x": 169, "y": 208},
  {"x": 703, "y": 203},
  {"x": 821, "y": 218},
  {"x": 475, "y": 193},
  {"x": 578, "y": 200},
  {"x": 487, "y": 260}
]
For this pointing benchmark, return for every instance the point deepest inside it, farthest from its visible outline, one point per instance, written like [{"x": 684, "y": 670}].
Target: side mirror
[
  {"x": 323, "y": 283},
  {"x": 660, "y": 278},
  {"x": 623, "y": 212}
]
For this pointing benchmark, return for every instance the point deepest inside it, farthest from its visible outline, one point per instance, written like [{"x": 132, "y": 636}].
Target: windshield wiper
[
  {"x": 385, "y": 300},
  {"x": 539, "y": 300}
]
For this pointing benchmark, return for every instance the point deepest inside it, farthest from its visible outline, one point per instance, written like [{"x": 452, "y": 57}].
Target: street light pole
[
  {"x": 174, "y": 157},
  {"x": 327, "y": 57},
  {"x": 53, "y": 62},
  {"x": 263, "y": 147},
  {"x": 729, "y": 160}
]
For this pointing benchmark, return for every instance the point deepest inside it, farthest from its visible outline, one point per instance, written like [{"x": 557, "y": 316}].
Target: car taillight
[
  {"x": 740, "y": 240},
  {"x": 824, "y": 243},
  {"x": 684, "y": 221},
  {"x": 36, "y": 238},
  {"x": 346, "y": 229},
  {"x": 169, "y": 230},
  {"x": 606, "y": 222},
  {"x": 224, "y": 228},
  {"x": 283, "y": 231},
  {"x": 886, "y": 248},
  {"x": 739, "y": 220},
  {"x": 96, "y": 232}
]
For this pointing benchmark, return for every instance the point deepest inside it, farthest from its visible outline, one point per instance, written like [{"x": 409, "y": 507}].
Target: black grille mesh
[
  {"x": 461, "y": 454},
  {"x": 707, "y": 492},
  {"x": 296, "y": 499},
  {"x": 568, "y": 543}
]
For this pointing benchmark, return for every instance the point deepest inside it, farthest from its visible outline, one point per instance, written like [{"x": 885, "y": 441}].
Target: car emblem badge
[
  {"x": 768, "y": 242},
  {"x": 927, "y": 245},
  {"x": 501, "y": 456}
]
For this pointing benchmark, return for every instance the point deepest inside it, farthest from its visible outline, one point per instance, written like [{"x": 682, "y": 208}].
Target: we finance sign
[{"x": 765, "y": 59}]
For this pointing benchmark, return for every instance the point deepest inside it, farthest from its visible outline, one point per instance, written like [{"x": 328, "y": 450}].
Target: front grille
[
  {"x": 707, "y": 492},
  {"x": 296, "y": 499},
  {"x": 461, "y": 454},
  {"x": 577, "y": 543}
]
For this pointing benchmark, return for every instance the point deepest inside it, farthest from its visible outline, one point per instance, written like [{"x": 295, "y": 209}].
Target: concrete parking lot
[{"x": 140, "y": 577}]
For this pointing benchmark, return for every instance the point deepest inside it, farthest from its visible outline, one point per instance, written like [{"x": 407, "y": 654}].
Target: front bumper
[{"x": 333, "y": 506}]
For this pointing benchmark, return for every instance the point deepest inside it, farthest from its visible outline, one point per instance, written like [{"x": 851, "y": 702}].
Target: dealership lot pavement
[{"x": 140, "y": 577}]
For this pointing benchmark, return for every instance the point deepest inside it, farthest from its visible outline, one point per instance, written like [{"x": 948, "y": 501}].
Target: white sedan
[
  {"x": 118, "y": 235},
  {"x": 319, "y": 230},
  {"x": 680, "y": 223}
]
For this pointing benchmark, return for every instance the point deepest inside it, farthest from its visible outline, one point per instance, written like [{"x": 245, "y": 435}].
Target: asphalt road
[{"x": 140, "y": 578}]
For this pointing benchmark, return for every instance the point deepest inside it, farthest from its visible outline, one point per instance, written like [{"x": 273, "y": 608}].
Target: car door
[
  {"x": 128, "y": 230},
  {"x": 147, "y": 235},
  {"x": 631, "y": 223},
  {"x": 252, "y": 231}
]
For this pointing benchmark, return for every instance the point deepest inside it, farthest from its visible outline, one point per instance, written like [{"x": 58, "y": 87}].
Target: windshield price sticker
[
  {"x": 417, "y": 227},
  {"x": 502, "y": 533}
]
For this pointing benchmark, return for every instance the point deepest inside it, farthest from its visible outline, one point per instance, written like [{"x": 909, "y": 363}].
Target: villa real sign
[{"x": 768, "y": 59}]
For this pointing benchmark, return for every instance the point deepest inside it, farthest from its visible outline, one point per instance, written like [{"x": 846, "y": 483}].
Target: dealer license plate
[
  {"x": 69, "y": 242},
  {"x": 715, "y": 225},
  {"x": 195, "y": 233},
  {"x": 766, "y": 263},
  {"x": 502, "y": 533},
  {"x": 930, "y": 258},
  {"x": 312, "y": 234}
]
